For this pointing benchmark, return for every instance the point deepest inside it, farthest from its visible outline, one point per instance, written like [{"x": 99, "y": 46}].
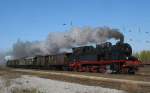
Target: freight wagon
[{"x": 59, "y": 62}]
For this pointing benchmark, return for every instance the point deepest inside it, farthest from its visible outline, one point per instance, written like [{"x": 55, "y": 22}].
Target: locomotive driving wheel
[
  {"x": 115, "y": 68},
  {"x": 88, "y": 69},
  {"x": 131, "y": 71},
  {"x": 102, "y": 69},
  {"x": 94, "y": 69}
]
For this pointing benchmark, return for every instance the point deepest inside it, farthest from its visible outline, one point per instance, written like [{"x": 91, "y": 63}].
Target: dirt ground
[
  {"x": 127, "y": 86},
  {"x": 34, "y": 84}
]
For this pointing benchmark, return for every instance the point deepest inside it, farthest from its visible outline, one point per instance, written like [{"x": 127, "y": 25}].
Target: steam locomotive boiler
[{"x": 104, "y": 58}]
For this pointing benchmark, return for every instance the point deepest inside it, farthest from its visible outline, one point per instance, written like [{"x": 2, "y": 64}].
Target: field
[{"x": 92, "y": 82}]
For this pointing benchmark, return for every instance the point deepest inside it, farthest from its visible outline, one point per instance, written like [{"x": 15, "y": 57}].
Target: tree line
[{"x": 144, "y": 56}]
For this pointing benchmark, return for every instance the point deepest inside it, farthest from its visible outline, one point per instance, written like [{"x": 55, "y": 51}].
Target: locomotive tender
[{"x": 104, "y": 58}]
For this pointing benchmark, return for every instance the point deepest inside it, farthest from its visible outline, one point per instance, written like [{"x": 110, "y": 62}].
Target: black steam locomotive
[{"x": 104, "y": 58}]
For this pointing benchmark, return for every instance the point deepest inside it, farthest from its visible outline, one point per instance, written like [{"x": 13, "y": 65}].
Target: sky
[{"x": 32, "y": 20}]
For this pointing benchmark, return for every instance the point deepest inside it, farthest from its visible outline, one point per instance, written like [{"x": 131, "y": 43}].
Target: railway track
[
  {"x": 143, "y": 74},
  {"x": 137, "y": 77}
]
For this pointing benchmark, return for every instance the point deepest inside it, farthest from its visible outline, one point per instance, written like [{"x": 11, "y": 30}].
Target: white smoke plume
[
  {"x": 2, "y": 59},
  {"x": 57, "y": 41}
]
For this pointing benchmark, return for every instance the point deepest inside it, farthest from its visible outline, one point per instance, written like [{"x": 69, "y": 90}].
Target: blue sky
[{"x": 34, "y": 19}]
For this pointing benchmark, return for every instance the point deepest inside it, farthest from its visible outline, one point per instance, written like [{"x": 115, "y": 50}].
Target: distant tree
[{"x": 144, "y": 56}]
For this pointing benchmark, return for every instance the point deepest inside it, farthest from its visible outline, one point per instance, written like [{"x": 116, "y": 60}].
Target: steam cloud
[
  {"x": 64, "y": 40},
  {"x": 2, "y": 59}
]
